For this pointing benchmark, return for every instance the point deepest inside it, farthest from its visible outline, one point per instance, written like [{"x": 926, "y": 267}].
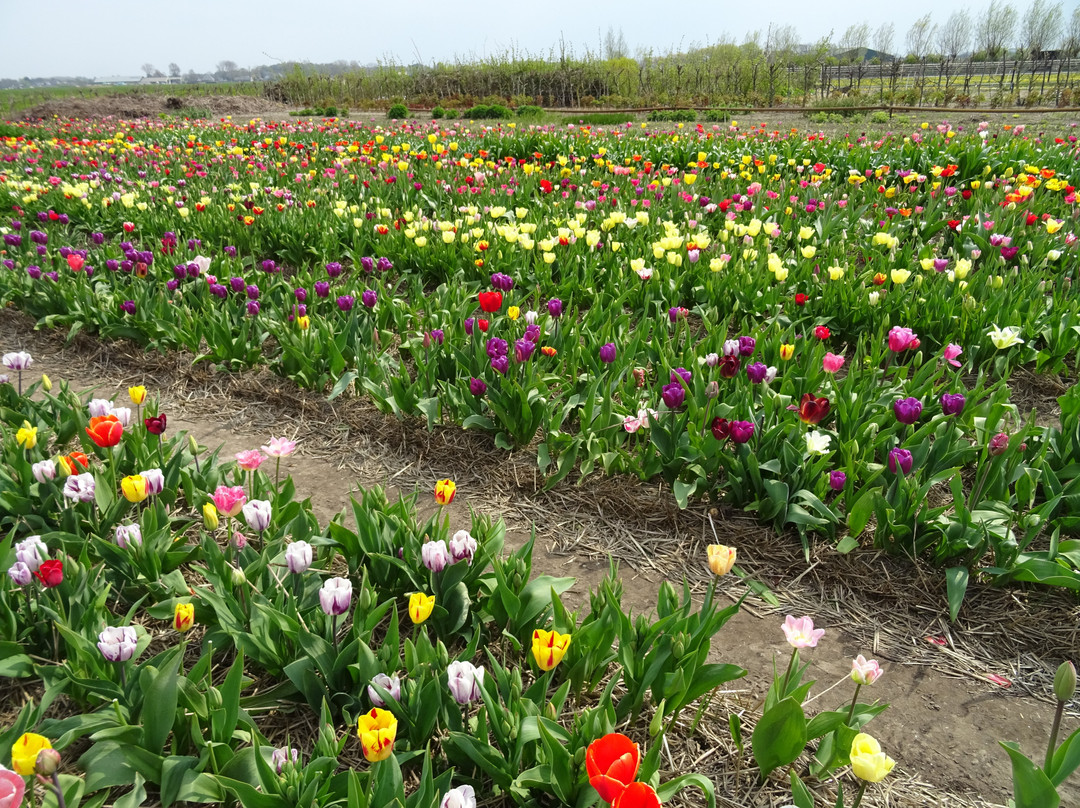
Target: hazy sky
[{"x": 116, "y": 37}]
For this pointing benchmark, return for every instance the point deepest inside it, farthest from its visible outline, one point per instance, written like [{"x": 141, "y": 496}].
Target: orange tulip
[
  {"x": 637, "y": 795},
  {"x": 105, "y": 430},
  {"x": 612, "y": 763}
]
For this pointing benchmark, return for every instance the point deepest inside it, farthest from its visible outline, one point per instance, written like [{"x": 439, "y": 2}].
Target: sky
[{"x": 116, "y": 37}]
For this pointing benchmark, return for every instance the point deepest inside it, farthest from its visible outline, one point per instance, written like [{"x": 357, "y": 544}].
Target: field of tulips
[{"x": 823, "y": 331}]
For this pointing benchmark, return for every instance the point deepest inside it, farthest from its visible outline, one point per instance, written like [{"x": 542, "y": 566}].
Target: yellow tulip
[
  {"x": 210, "y": 516},
  {"x": 513, "y": 312},
  {"x": 787, "y": 350},
  {"x": 26, "y": 436},
  {"x": 809, "y": 251},
  {"x": 134, "y": 488},
  {"x": 46, "y": 383},
  {"x": 721, "y": 558},
  {"x": 25, "y": 752},
  {"x": 303, "y": 322},
  {"x": 444, "y": 492},
  {"x": 868, "y": 762},
  {"x": 420, "y": 606},
  {"x": 183, "y": 617},
  {"x": 836, "y": 273},
  {"x": 900, "y": 275},
  {"x": 690, "y": 179},
  {"x": 137, "y": 394},
  {"x": 377, "y": 731},
  {"x": 549, "y": 647}
]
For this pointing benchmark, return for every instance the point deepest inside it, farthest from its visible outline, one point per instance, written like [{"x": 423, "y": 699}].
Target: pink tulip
[
  {"x": 801, "y": 633},
  {"x": 229, "y": 501},
  {"x": 280, "y": 447},
  {"x": 12, "y": 787},
  {"x": 865, "y": 671},
  {"x": 250, "y": 460},
  {"x": 832, "y": 362},
  {"x": 951, "y": 352},
  {"x": 900, "y": 338},
  {"x": 631, "y": 424}
]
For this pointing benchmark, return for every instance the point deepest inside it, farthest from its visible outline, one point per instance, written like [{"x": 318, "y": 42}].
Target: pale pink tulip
[
  {"x": 832, "y": 362},
  {"x": 250, "y": 460},
  {"x": 12, "y": 788},
  {"x": 279, "y": 447},
  {"x": 951, "y": 352},
  {"x": 801, "y": 633},
  {"x": 865, "y": 671}
]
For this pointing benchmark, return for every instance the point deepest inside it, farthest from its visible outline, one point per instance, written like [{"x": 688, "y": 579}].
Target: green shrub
[
  {"x": 673, "y": 115},
  {"x": 438, "y": 112},
  {"x": 717, "y": 115},
  {"x": 881, "y": 116},
  {"x": 529, "y": 111},
  {"x": 599, "y": 118},
  {"x": 398, "y": 111},
  {"x": 487, "y": 112}
]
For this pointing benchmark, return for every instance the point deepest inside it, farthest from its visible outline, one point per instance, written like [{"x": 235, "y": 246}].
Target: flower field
[{"x": 825, "y": 332}]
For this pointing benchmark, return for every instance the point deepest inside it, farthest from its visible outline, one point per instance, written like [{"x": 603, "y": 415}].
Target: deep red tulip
[
  {"x": 812, "y": 410},
  {"x": 156, "y": 424},
  {"x": 612, "y": 764},
  {"x": 729, "y": 367}
]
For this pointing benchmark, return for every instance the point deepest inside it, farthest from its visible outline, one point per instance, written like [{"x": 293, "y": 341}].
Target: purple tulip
[
  {"x": 367, "y": 263},
  {"x": 907, "y": 410},
  {"x": 998, "y": 444},
  {"x": 496, "y": 347},
  {"x": 346, "y": 302},
  {"x": 369, "y": 297},
  {"x": 532, "y": 333},
  {"x": 477, "y": 386},
  {"x": 673, "y": 395},
  {"x": 837, "y": 480},
  {"x": 741, "y": 431},
  {"x": 252, "y": 291},
  {"x": 218, "y": 290},
  {"x": 608, "y": 353},
  {"x": 523, "y": 349},
  {"x": 756, "y": 372},
  {"x": 500, "y": 364},
  {"x": 230, "y": 251},
  {"x": 681, "y": 373},
  {"x": 900, "y": 459},
  {"x": 97, "y": 238},
  {"x": 112, "y": 265},
  {"x": 33, "y": 272},
  {"x": 300, "y": 294},
  {"x": 128, "y": 307},
  {"x": 253, "y": 307},
  {"x": 384, "y": 264},
  {"x": 333, "y": 269},
  {"x": 555, "y": 307},
  {"x": 269, "y": 266},
  {"x": 746, "y": 346},
  {"x": 437, "y": 335},
  {"x": 322, "y": 289},
  {"x": 952, "y": 403},
  {"x": 469, "y": 323},
  {"x": 504, "y": 283}
]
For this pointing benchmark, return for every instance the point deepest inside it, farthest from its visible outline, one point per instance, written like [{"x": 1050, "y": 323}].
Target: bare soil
[{"x": 954, "y": 689}]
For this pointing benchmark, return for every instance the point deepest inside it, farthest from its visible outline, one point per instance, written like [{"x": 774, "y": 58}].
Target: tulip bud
[
  {"x": 48, "y": 760},
  {"x": 46, "y": 383},
  {"x": 365, "y": 601},
  {"x": 550, "y": 711},
  {"x": 238, "y": 577},
  {"x": 210, "y": 516},
  {"x": 712, "y": 390},
  {"x": 579, "y": 757},
  {"x": 998, "y": 444},
  {"x": 1065, "y": 681},
  {"x": 193, "y": 445},
  {"x": 213, "y": 699},
  {"x": 656, "y": 726}
]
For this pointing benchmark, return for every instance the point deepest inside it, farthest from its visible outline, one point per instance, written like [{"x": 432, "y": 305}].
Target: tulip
[
  {"x": 128, "y": 536},
  {"x": 137, "y": 395},
  {"x": 900, "y": 459},
  {"x": 746, "y": 346},
  {"x": 445, "y": 491},
  {"x": 391, "y": 684},
  {"x": 155, "y": 481},
  {"x": 756, "y": 372},
  {"x": 729, "y": 366},
  {"x": 721, "y": 428},
  {"x": 20, "y": 574},
  {"x": 48, "y": 761},
  {"x": 549, "y": 647},
  {"x": 868, "y": 762},
  {"x": 952, "y": 403},
  {"x": 369, "y": 298},
  {"x": 1065, "y": 681},
  {"x": 80, "y": 487},
  {"x": 250, "y": 460},
  {"x": 26, "y": 436},
  {"x": 462, "y": 547},
  {"x": 477, "y": 386},
  {"x": 490, "y": 302},
  {"x": 156, "y": 424},
  {"x": 837, "y": 480},
  {"x": 673, "y": 395},
  {"x": 117, "y": 643},
  {"x": 50, "y": 573},
  {"x": 279, "y": 447},
  {"x": 257, "y": 513},
  {"x": 378, "y": 731},
  {"x": 99, "y": 407},
  {"x": 284, "y": 756},
  {"x": 741, "y": 431},
  {"x": 12, "y": 789},
  {"x": 817, "y": 443},
  {"x": 681, "y": 373},
  {"x": 229, "y": 500},
  {"x": 950, "y": 353},
  {"x": 183, "y": 617},
  {"x": 832, "y": 362},
  {"x": 1005, "y": 337},
  {"x": 210, "y": 516},
  {"x": 865, "y": 671},
  {"x": 435, "y": 555},
  {"x": 787, "y": 350},
  {"x": 298, "y": 557},
  {"x": 998, "y": 444},
  {"x": 44, "y": 470},
  {"x": 555, "y": 307},
  {"x": 420, "y": 607},
  {"x": 134, "y": 488},
  {"x": 900, "y": 338},
  {"x": 730, "y": 347},
  {"x": 460, "y": 797},
  {"x": 105, "y": 431},
  {"x": 821, "y": 332},
  {"x": 907, "y": 410},
  {"x": 17, "y": 360},
  {"x": 24, "y": 753},
  {"x": 721, "y": 558},
  {"x": 335, "y": 597},
  {"x": 637, "y": 795},
  {"x": 32, "y": 551},
  {"x": 813, "y": 410},
  {"x": 800, "y": 633},
  {"x": 464, "y": 680},
  {"x": 608, "y": 353},
  {"x": 612, "y": 764}
]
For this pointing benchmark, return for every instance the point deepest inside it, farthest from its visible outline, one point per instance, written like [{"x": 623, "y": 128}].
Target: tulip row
[{"x": 641, "y": 302}]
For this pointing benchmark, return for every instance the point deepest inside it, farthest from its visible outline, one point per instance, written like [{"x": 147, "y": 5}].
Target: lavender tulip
[
  {"x": 20, "y": 574},
  {"x": 128, "y": 536},
  {"x": 464, "y": 680},
  {"x": 391, "y": 684},
  {"x": 462, "y": 547},
  {"x": 298, "y": 556},
  {"x": 335, "y": 597},
  {"x": 257, "y": 512},
  {"x": 435, "y": 555},
  {"x": 117, "y": 643}
]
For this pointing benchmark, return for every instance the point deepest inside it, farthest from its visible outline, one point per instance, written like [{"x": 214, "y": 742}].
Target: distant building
[
  {"x": 118, "y": 80},
  {"x": 159, "y": 80}
]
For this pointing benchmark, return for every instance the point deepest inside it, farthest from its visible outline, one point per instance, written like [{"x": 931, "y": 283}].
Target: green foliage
[
  {"x": 487, "y": 112},
  {"x": 673, "y": 115},
  {"x": 397, "y": 112},
  {"x": 529, "y": 111}
]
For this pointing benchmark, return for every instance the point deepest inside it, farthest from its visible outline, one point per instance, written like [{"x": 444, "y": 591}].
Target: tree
[
  {"x": 1041, "y": 27},
  {"x": 995, "y": 28},
  {"x": 227, "y": 68},
  {"x": 150, "y": 70},
  {"x": 174, "y": 70},
  {"x": 883, "y": 43},
  {"x": 955, "y": 35},
  {"x": 853, "y": 45},
  {"x": 1071, "y": 45},
  {"x": 883, "y": 38},
  {"x": 919, "y": 37},
  {"x": 615, "y": 46}
]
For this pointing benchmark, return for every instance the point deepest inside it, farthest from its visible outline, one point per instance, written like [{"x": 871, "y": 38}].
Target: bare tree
[
  {"x": 227, "y": 67},
  {"x": 780, "y": 42},
  {"x": 1071, "y": 45},
  {"x": 853, "y": 45},
  {"x": 952, "y": 38},
  {"x": 919, "y": 37},
  {"x": 615, "y": 46},
  {"x": 883, "y": 40},
  {"x": 150, "y": 70},
  {"x": 174, "y": 70},
  {"x": 994, "y": 29},
  {"x": 1041, "y": 27}
]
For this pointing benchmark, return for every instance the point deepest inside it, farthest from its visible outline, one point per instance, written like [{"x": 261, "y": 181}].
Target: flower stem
[
  {"x": 787, "y": 673},
  {"x": 59, "y": 791},
  {"x": 1053, "y": 737},
  {"x": 854, "y": 699},
  {"x": 858, "y": 797}
]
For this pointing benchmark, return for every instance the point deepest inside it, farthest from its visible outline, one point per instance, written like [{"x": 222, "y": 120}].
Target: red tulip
[
  {"x": 490, "y": 301},
  {"x": 156, "y": 424},
  {"x": 812, "y": 410},
  {"x": 612, "y": 764},
  {"x": 105, "y": 430},
  {"x": 821, "y": 332},
  {"x": 50, "y": 573},
  {"x": 637, "y": 795}
]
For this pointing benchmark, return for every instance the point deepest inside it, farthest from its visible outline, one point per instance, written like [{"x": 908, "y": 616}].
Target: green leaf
[
  {"x": 800, "y": 794},
  {"x": 780, "y": 736},
  {"x": 1031, "y": 787},
  {"x": 341, "y": 384},
  {"x": 956, "y": 581},
  {"x": 847, "y": 544},
  {"x": 159, "y": 704},
  {"x": 683, "y": 492},
  {"x": 735, "y": 725},
  {"x": 134, "y": 798},
  {"x": 860, "y": 512},
  {"x": 669, "y": 789},
  {"x": 1065, "y": 760}
]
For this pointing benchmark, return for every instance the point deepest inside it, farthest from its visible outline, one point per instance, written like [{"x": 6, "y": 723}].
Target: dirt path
[{"x": 946, "y": 715}]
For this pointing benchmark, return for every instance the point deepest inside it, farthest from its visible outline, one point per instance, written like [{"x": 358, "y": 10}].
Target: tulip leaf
[
  {"x": 800, "y": 794},
  {"x": 134, "y": 798},
  {"x": 159, "y": 703},
  {"x": 1031, "y": 787},
  {"x": 860, "y": 512},
  {"x": 669, "y": 789},
  {"x": 1066, "y": 759},
  {"x": 342, "y": 383},
  {"x": 956, "y": 580},
  {"x": 780, "y": 736}
]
